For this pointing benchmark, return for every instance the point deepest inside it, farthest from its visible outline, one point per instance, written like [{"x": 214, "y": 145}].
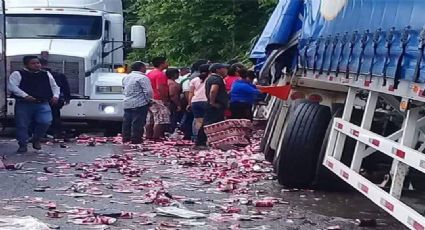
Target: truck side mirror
[{"x": 138, "y": 37}]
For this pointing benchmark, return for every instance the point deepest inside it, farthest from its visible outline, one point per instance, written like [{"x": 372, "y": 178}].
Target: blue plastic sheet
[
  {"x": 365, "y": 17},
  {"x": 283, "y": 23}
]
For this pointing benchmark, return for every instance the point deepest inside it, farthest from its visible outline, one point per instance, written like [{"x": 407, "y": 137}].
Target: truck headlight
[
  {"x": 109, "y": 109},
  {"x": 109, "y": 89}
]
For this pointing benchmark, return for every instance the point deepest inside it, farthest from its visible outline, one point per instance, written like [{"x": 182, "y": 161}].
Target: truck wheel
[
  {"x": 291, "y": 112},
  {"x": 325, "y": 179},
  {"x": 297, "y": 160},
  {"x": 270, "y": 153}
]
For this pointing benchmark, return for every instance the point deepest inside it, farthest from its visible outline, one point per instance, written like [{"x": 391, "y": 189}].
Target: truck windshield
[{"x": 54, "y": 26}]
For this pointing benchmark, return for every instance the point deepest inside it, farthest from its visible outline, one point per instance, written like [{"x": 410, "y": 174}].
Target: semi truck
[
  {"x": 84, "y": 39},
  {"x": 355, "y": 115}
]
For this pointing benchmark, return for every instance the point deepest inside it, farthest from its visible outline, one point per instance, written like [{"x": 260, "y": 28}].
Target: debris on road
[
  {"x": 191, "y": 223},
  {"x": 98, "y": 220},
  {"x": 19, "y": 223},
  {"x": 48, "y": 170},
  {"x": 12, "y": 208},
  {"x": 366, "y": 222},
  {"x": 11, "y": 167},
  {"x": 164, "y": 185},
  {"x": 229, "y": 132},
  {"x": 54, "y": 214},
  {"x": 230, "y": 171},
  {"x": 39, "y": 189},
  {"x": 264, "y": 203},
  {"x": 114, "y": 214},
  {"x": 43, "y": 178},
  {"x": 179, "y": 212}
]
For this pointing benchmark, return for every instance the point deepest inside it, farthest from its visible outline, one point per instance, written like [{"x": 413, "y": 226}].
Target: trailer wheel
[
  {"x": 272, "y": 154},
  {"x": 325, "y": 179},
  {"x": 291, "y": 111},
  {"x": 297, "y": 160}
]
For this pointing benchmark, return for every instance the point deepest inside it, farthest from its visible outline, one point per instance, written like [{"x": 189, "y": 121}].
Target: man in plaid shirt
[{"x": 138, "y": 96}]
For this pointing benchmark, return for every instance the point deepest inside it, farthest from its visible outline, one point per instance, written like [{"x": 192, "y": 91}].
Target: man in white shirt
[
  {"x": 138, "y": 96},
  {"x": 183, "y": 79},
  {"x": 34, "y": 90}
]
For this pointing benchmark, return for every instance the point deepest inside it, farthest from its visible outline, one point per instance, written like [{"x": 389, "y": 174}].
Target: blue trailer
[{"x": 356, "y": 113}]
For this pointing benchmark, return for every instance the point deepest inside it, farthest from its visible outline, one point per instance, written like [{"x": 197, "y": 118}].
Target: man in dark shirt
[
  {"x": 33, "y": 89},
  {"x": 64, "y": 98},
  {"x": 217, "y": 100}
]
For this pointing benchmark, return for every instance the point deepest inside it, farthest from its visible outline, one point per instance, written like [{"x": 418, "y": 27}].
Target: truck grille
[{"x": 72, "y": 70}]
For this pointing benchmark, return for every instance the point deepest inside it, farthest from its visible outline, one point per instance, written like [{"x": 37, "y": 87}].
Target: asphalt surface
[{"x": 295, "y": 209}]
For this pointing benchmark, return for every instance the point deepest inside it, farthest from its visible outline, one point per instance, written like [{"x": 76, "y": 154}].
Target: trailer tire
[
  {"x": 297, "y": 161},
  {"x": 292, "y": 108},
  {"x": 325, "y": 179}
]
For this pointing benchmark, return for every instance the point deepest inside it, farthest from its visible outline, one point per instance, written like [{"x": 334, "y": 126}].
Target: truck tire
[
  {"x": 297, "y": 160},
  {"x": 291, "y": 112},
  {"x": 325, "y": 179},
  {"x": 270, "y": 153}
]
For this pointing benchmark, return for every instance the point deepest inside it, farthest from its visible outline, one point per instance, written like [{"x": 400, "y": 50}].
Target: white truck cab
[{"x": 84, "y": 39}]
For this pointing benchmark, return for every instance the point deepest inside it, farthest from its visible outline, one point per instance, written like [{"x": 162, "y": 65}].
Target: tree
[{"x": 186, "y": 30}]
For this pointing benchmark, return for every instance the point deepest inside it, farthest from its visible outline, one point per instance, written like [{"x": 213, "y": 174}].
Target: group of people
[
  {"x": 159, "y": 101},
  {"x": 166, "y": 99}
]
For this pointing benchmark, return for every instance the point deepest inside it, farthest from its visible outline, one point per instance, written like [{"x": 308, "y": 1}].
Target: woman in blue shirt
[{"x": 243, "y": 95}]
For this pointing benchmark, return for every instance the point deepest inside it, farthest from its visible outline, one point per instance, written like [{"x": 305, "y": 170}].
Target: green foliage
[{"x": 186, "y": 30}]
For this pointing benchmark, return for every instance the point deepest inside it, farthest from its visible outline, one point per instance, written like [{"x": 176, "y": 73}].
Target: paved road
[{"x": 164, "y": 168}]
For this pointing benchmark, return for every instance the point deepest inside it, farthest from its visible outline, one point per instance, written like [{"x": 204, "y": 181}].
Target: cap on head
[{"x": 216, "y": 66}]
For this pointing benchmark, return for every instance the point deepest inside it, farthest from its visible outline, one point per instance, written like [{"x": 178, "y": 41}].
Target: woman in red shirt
[{"x": 233, "y": 75}]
